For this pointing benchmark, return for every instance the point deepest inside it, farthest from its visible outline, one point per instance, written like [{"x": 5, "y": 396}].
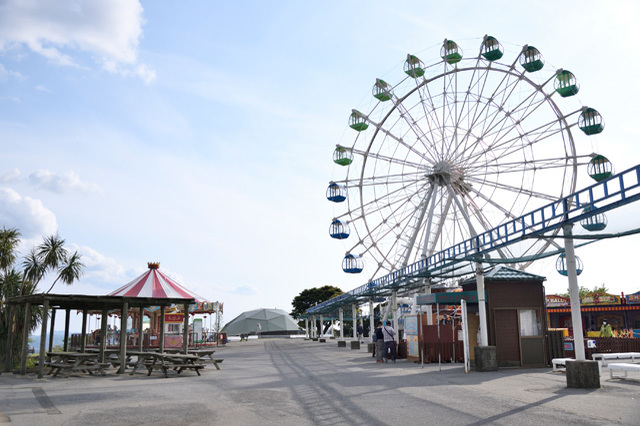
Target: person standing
[
  {"x": 259, "y": 330},
  {"x": 380, "y": 349},
  {"x": 605, "y": 330},
  {"x": 388, "y": 334},
  {"x": 360, "y": 332}
]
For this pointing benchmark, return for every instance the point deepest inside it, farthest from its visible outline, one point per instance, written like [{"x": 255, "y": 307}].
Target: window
[{"x": 530, "y": 323}]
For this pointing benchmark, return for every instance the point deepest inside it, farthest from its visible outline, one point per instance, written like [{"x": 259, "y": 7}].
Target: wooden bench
[
  {"x": 624, "y": 367},
  {"x": 216, "y": 362},
  {"x": 178, "y": 367},
  {"x": 560, "y": 363},
  {"x": 69, "y": 367}
]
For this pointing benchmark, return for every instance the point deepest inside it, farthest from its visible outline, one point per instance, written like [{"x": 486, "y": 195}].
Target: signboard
[
  {"x": 568, "y": 346},
  {"x": 412, "y": 346},
  {"x": 555, "y": 301},
  {"x": 173, "y": 318},
  {"x": 453, "y": 298},
  {"x": 633, "y": 298},
  {"x": 411, "y": 325},
  {"x": 600, "y": 299}
]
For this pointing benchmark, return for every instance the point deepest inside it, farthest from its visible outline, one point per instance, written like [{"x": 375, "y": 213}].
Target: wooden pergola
[{"x": 86, "y": 304}]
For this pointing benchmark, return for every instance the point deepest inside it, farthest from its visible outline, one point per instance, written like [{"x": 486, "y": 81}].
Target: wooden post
[
  {"x": 25, "y": 339},
  {"x": 43, "y": 338},
  {"x": 161, "y": 339},
  {"x": 9, "y": 354},
  {"x": 103, "y": 333},
  {"x": 185, "y": 330},
  {"x": 51, "y": 329},
  {"x": 83, "y": 335},
  {"x": 140, "y": 335},
  {"x": 67, "y": 320},
  {"x": 124, "y": 314}
]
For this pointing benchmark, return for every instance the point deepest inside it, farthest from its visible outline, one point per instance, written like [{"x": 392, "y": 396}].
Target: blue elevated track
[{"x": 618, "y": 190}]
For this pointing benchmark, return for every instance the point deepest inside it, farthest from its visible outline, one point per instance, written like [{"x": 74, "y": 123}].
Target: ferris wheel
[{"x": 453, "y": 149}]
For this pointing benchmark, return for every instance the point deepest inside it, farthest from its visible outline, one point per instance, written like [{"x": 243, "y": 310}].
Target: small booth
[{"x": 516, "y": 316}]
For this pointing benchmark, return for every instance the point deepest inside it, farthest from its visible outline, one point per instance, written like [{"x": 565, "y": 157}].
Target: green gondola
[
  {"x": 450, "y": 52},
  {"x": 382, "y": 90},
  {"x": 342, "y": 156},
  {"x": 591, "y": 122},
  {"x": 600, "y": 168},
  {"x": 566, "y": 84},
  {"x": 413, "y": 67},
  {"x": 357, "y": 121},
  {"x": 531, "y": 59},
  {"x": 491, "y": 49}
]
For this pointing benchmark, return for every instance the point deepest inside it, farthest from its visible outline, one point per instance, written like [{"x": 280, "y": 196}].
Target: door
[{"x": 507, "y": 337}]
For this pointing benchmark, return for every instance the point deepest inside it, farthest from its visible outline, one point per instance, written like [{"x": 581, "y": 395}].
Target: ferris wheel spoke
[
  {"x": 398, "y": 139},
  {"x": 412, "y": 123},
  {"x": 391, "y": 160},
  {"x": 504, "y": 147},
  {"x": 514, "y": 189},
  {"x": 504, "y": 252},
  {"x": 429, "y": 107}
]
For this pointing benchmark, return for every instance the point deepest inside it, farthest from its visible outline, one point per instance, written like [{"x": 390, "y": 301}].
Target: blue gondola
[
  {"x": 352, "y": 264},
  {"x": 339, "y": 229},
  {"x": 561, "y": 265},
  {"x": 336, "y": 193}
]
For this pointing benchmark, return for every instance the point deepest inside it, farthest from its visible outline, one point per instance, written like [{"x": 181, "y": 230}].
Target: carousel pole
[
  {"x": 161, "y": 337},
  {"x": 140, "y": 334},
  {"x": 185, "y": 329}
]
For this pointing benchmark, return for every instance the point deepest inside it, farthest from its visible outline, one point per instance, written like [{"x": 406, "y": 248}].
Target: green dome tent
[{"x": 272, "y": 322}]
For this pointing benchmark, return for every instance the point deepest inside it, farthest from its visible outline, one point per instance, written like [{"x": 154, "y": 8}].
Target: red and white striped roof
[{"x": 154, "y": 283}]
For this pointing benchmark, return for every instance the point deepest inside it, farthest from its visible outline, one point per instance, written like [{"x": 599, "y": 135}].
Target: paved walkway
[{"x": 297, "y": 382}]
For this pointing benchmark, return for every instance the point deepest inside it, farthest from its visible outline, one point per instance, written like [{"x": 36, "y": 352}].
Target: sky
[{"x": 200, "y": 134}]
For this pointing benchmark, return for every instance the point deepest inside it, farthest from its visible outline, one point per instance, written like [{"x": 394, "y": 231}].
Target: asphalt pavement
[{"x": 278, "y": 381}]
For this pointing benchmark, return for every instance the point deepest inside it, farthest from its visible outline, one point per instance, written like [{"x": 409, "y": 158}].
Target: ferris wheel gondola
[{"x": 454, "y": 149}]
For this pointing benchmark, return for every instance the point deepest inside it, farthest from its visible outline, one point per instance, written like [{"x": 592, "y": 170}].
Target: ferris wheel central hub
[{"x": 444, "y": 174}]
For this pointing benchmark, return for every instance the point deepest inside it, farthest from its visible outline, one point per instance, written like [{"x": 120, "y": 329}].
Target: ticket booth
[{"x": 516, "y": 316}]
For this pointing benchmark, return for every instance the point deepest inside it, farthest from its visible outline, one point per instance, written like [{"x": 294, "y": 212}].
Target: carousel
[{"x": 147, "y": 323}]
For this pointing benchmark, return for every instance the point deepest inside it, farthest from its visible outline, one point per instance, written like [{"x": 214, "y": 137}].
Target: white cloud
[
  {"x": 41, "y": 88},
  {"x": 28, "y": 215},
  {"x": 61, "y": 183},
  {"x": 10, "y": 176},
  {"x": 5, "y": 74},
  {"x": 110, "y": 30}
]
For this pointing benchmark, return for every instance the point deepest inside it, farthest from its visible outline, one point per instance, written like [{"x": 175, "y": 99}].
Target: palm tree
[
  {"x": 70, "y": 271},
  {"x": 9, "y": 240},
  {"x": 51, "y": 255}
]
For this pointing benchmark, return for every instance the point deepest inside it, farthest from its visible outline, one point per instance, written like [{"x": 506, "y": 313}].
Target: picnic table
[
  {"x": 202, "y": 353},
  {"x": 85, "y": 362},
  {"x": 165, "y": 362}
]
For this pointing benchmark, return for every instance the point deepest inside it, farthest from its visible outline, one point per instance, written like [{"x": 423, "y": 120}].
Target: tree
[
  {"x": 50, "y": 256},
  {"x": 583, "y": 291},
  {"x": 310, "y": 297}
]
